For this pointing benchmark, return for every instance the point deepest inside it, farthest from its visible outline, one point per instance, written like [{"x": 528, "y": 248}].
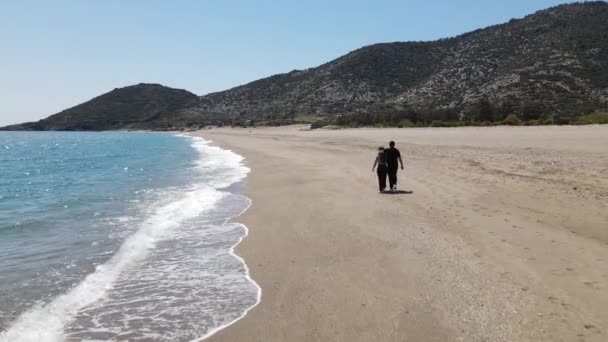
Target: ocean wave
[{"x": 175, "y": 278}]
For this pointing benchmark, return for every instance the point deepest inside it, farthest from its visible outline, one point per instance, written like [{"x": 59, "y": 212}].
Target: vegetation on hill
[
  {"x": 413, "y": 118},
  {"x": 140, "y": 106},
  {"x": 553, "y": 63}
]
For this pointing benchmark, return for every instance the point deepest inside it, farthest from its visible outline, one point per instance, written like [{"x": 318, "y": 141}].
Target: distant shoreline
[{"x": 589, "y": 120}]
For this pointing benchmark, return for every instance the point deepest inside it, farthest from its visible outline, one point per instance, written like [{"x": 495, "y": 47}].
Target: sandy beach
[{"x": 504, "y": 236}]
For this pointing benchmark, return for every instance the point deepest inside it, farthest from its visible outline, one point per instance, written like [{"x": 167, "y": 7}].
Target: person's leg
[
  {"x": 395, "y": 179},
  {"x": 381, "y": 178},
  {"x": 392, "y": 176}
]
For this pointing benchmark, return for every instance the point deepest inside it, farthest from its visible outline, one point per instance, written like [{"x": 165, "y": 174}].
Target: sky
[{"x": 57, "y": 54}]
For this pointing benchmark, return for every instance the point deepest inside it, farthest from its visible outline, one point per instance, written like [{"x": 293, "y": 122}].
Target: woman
[{"x": 382, "y": 168}]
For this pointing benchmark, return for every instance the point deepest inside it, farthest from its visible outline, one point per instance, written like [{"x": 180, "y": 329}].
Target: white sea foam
[
  {"x": 169, "y": 222},
  {"x": 215, "y": 330}
]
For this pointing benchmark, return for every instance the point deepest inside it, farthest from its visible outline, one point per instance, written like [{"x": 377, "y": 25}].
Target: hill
[
  {"x": 554, "y": 61},
  {"x": 142, "y": 106}
]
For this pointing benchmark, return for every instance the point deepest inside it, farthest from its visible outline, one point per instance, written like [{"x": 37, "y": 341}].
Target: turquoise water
[{"x": 119, "y": 235}]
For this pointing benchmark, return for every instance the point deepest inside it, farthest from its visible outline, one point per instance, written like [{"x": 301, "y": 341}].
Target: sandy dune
[{"x": 504, "y": 238}]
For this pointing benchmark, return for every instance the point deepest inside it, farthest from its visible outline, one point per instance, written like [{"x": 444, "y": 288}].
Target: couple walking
[{"x": 386, "y": 160}]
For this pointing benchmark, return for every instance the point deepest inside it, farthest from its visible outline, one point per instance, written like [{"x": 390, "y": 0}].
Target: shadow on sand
[{"x": 398, "y": 192}]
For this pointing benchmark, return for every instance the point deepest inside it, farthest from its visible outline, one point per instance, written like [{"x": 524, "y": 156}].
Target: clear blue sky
[{"x": 56, "y": 54}]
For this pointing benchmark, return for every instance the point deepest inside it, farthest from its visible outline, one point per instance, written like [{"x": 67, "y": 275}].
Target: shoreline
[
  {"x": 161, "y": 232},
  {"x": 502, "y": 238},
  {"x": 247, "y": 273},
  {"x": 232, "y": 252}
]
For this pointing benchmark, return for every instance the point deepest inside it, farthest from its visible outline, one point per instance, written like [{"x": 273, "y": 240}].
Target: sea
[{"x": 120, "y": 236}]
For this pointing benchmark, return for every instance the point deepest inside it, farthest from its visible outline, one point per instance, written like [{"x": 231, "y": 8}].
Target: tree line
[{"x": 481, "y": 112}]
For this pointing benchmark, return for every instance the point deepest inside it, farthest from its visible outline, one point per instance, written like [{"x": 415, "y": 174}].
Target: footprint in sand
[
  {"x": 567, "y": 306},
  {"x": 592, "y": 285},
  {"x": 593, "y": 328}
]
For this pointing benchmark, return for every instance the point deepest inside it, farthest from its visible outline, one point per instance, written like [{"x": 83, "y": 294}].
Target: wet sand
[{"x": 503, "y": 238}]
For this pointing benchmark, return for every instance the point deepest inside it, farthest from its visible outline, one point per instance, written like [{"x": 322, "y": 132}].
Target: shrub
[
  {"x": 318, "y": 124},
  {"x": 405, "y": 123},
  {"x": 437, "y": 123},
  {"x": 546, "y": 122},
  {"x": 595, "y": 118},
  {"x": 511, "y": 120}
]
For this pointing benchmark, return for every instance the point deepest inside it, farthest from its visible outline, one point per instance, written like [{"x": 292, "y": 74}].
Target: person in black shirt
[
  {"x": 392, "y": 157},
  {"x": 382, "y": 168}
]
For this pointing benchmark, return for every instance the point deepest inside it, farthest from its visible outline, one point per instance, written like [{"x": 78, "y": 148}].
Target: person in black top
[
  {"x": 382, "y": 168},
  {"x": 392, "y": 157}
]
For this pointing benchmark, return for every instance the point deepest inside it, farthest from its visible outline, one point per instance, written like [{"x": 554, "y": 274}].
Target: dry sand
[{"x": 504, "y": 238}]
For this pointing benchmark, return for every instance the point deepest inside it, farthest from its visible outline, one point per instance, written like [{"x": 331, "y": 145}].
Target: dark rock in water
[{"x": 27, "y": 126}]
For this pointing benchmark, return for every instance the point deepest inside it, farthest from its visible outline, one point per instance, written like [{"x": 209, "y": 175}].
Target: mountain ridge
[
  {"x": 433, "y": 69},
  {"x": 135, "y": 107},
  {"x": 554, "y": 61}
]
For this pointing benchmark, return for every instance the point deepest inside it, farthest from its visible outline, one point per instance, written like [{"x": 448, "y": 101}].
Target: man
[{"x": 392, "y": 157}]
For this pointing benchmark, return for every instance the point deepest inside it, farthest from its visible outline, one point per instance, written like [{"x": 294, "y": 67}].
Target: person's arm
[
  {"x": 401, "y": 161},
  {"x": 375, "y": 163}
]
